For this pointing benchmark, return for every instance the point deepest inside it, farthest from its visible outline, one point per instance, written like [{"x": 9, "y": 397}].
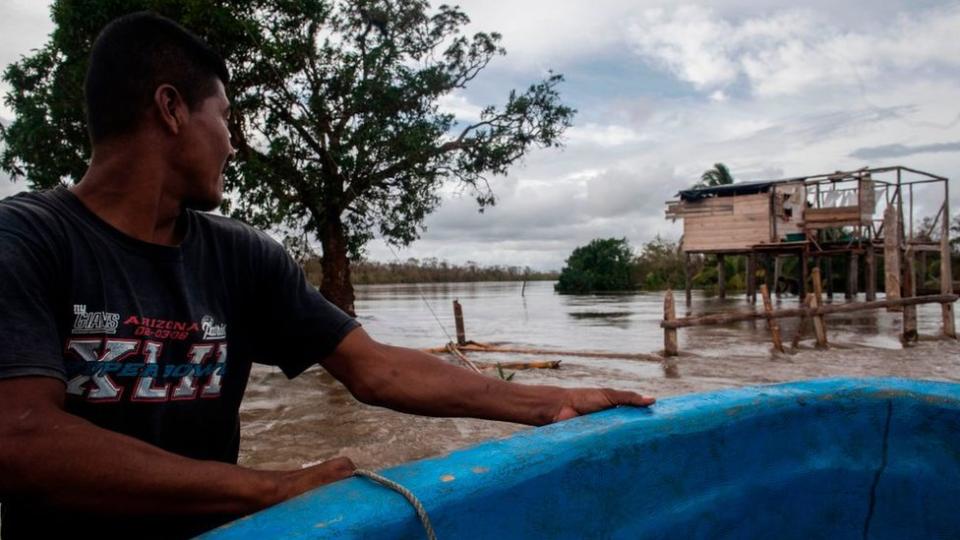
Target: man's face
[{"x": 204, "y": 151}]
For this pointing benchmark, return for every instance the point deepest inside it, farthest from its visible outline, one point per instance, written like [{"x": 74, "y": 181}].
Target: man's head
[{"x": 148, "y": 73}]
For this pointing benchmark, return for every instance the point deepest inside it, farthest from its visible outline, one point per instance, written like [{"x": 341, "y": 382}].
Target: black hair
[{"x": 131, "y": 57}]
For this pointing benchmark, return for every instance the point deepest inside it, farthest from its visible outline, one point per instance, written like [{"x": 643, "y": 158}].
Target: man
[{"x": 130, "y": 321}]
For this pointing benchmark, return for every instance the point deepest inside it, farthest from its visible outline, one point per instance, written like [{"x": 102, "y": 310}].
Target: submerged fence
[{"x": 813, "y": 310}]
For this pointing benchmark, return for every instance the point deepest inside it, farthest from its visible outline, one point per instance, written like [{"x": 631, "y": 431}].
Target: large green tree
[
  {"x": 602, "y": 265},
  {"x": 337, "y": 120}
]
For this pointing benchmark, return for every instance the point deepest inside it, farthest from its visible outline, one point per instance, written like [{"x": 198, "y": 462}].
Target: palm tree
[{"x": 719, "y": 175}]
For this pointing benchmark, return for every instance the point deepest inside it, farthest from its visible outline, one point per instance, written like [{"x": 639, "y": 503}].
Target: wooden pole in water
[
  {"x": 752, "y": 278},
  {"x": 804, "y": 270},
  {"x": 828, "y": 263},
  {"x": 768, "y": 272},
  {"x": 946, "y": 275},
  {"x": 670, "y": 346},
  {"x": 771, "y": 322},
  {"x": 819, "y": 325},
  {"x": 458, "y": 319},
  {"x": 853, "y": 278},
  {"x": 687, "y": 279},
  {"x": 721, "y": 277},
  {"x": 777, "y": 270},
  {"x": 891, "y": 255},
  {"x": 909, "y": 316},
  {"x": 803, "y": 322},
  {"x": 871, "y": 277}
]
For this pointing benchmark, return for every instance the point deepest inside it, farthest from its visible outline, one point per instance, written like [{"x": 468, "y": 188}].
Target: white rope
[{"x": 407, "y": 494}]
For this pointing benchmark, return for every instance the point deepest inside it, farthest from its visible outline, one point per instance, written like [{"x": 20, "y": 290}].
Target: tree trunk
[{"x": 335, "y": 285}]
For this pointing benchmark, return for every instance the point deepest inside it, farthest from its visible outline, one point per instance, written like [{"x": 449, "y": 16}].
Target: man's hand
[
  {"x": 293, "y": 483},
  {"x": 577, "y": 401}
]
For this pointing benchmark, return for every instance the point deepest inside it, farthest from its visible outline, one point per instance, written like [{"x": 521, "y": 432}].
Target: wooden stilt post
[
  {"x": 768, "y": 271},
  {"x": 819, "y": 326},
  {"x": 670, "y": 346},
  {"x": 721, "y": 277},
  {"x": 807, "y": 301},
  {"x": 871, "y": 274},
  {"x": 752, "y": 277},
  {"x": 772, "y": 323},
  {"x": 687, "y": 279},
  {"x": 909, "y": 316},
  {"x": 922, "y": 270},
  {"x": 946, "y": 275},
  {"x": 828, "y": 265},
  {"x": 458, "y": 319},
  {"x": 804, "y": 272},
  {"x": 891, "y": 255},
  {"x": 777, "y": 271},
  {"x": 853, "y": 276}
]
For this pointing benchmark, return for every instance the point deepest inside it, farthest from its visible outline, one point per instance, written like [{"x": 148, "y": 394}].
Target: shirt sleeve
[
  {"x": 29, "y": 340},
  {"x": 304, "y": 326}
]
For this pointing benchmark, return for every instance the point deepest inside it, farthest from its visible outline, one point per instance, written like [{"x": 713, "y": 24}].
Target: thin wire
[{"x": 422, "y": 297}]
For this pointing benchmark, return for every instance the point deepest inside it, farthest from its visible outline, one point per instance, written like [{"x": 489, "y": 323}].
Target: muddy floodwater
[{"x": 290, "y": 424}]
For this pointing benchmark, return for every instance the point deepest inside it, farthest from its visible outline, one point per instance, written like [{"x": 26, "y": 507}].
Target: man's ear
[{"x": 170, "y": 107}]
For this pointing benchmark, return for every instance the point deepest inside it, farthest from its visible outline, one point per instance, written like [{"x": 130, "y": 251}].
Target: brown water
[{"x": 289, "y": 424}]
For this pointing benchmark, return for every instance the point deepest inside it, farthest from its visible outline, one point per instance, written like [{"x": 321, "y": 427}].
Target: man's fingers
[
  {"x": 296, "y": 482},
  {"x": 336, "y": 469},
  {"x": 622, "y": 397}
]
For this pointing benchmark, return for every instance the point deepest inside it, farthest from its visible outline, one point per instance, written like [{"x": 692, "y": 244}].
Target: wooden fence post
[
  {"x": 819, "y": 325},
  {"x": 670, "y": 347},
  {"x": 458, "y": 319},
  {"x": 772, "y": 323},
  {"x": 891, "y": 255}
]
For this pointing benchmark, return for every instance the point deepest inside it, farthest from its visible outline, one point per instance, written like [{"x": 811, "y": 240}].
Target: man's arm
[
  {"x": 412, "y": 381},
  {"x": 53, "y": 456}
]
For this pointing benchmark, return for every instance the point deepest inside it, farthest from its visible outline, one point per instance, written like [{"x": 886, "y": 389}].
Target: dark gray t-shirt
[{"x": 152, "y": 341}]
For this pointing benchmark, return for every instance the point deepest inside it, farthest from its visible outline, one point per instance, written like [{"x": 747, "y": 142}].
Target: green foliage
[
  {"x": 336, "y": 116},
  {"x": 660, "y": 265},
  {"x": 719, "y": 175},
  {"x": 601, "y": 265}
]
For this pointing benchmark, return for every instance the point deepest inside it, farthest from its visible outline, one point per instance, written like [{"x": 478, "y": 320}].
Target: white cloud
[
  {"x": 769, "y": 89},
  {"x": 603, "y": 135},
  {"x": 791, "y": 51}
]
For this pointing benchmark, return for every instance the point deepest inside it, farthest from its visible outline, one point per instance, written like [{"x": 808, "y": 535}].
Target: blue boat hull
[{"x": 840, "y": 458}]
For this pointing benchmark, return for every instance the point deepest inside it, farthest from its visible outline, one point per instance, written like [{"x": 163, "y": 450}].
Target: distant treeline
[{"x": 429, "y": 270}]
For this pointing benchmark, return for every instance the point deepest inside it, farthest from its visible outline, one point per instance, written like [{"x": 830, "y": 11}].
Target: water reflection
[{"x": 421, "y": 316}]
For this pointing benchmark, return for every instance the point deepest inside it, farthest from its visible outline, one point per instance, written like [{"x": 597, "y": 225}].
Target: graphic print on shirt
[
  {"x": 98, "y": 322},
  {"x": 105, "y": 368}
]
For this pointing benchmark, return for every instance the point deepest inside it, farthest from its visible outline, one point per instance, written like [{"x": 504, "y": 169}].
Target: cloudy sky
[{"x": 666, "y": 89}]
